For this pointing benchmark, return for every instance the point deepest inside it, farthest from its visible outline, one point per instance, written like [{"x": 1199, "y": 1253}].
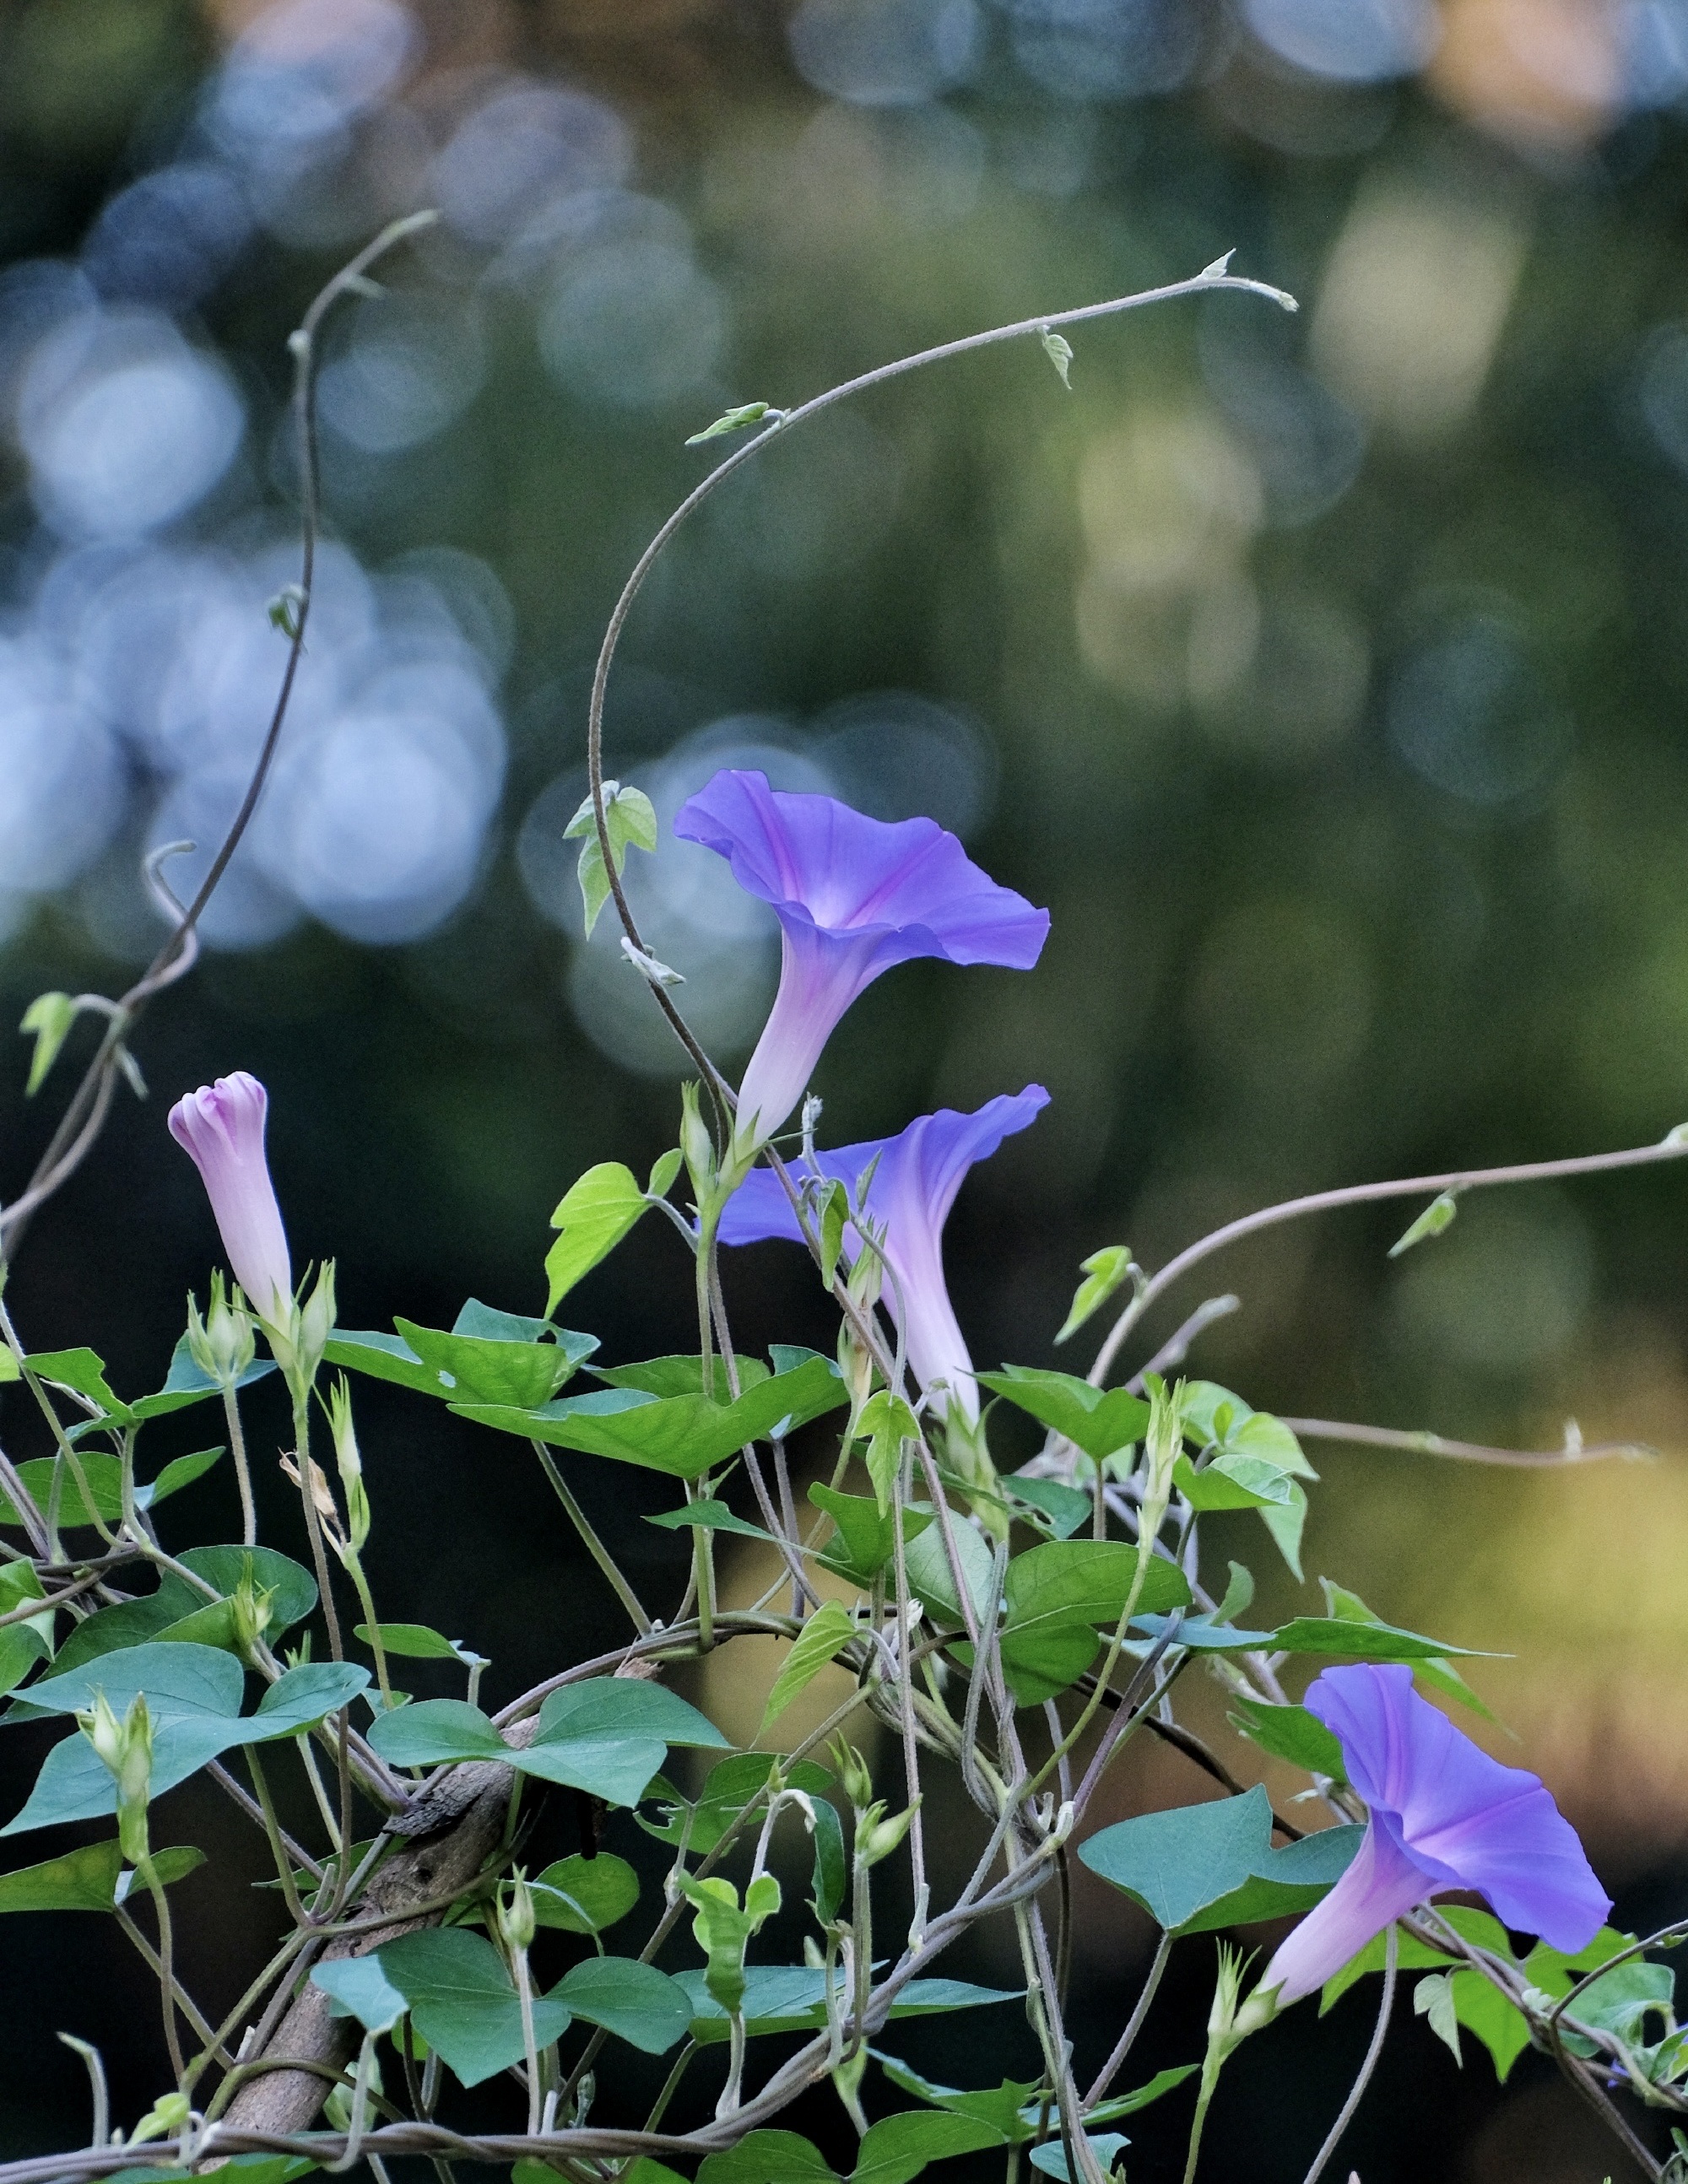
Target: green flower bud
[
  {"x": 697, "y": 1146},
  {"x": 853, "y": 1773},
  {"x": 346, "y": 1456},
  {"x": 516, "y": 1921},
  {"x": 877, "y": 1838},
  {"x": 125, "y": 1747},
  {"x": 250, "y": 1611},
  {"x": 222, "y": 1343}
]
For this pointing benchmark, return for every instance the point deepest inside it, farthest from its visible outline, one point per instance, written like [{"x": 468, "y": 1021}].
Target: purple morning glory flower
[
  {"x": 1444, "y": 1815},
  {"x": 854, "y": 896},
  {"x": 222, "y": 1128},
  {"x": 913, "y": 1188}
]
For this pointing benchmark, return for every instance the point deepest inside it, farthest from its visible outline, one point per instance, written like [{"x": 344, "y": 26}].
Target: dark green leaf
[
  {"x": 709, "y": 1516},
  {"x": 768, "y": 2157},
  {"x": 664, "y": 1377},
  {"x": 930, "y": 1578},
  {"x": 383, "y": 1357},
  {"x": 82, "y": 1369},
  {"x": 828, "y": 1877},
  {"x": 411, "y": 1641},
  {"x": 1291, "y": 1733},
  {"x": 1049, "y": 2159},
  {"x": 1125, "y": 2104},
  {"x": 86, "y": 1880},
  {"x": 463, "y": 2002},
  {"x": 1200, "y": 1868},
  {"x": 899, "y": 2146},
  {"x": 430, "y": 1731},
  {"x": 733, "y": 1783},
  {"x": 1233, "y": 1482},
  {"x": 585, "y": 1895},
  {"x": 1056, "y": 1595},
  {"x": 472, "y": 1369},
  {"x": 1363, "y": 1641},
  {"x": 865, "y": 1539},
  {"x": 185, "y": 1384},
  {"x": 1347, "y": 1607},
  {"x": 682, "y": 1435},
  {"x": 1101, "y": 1421},
  {"x": 1003, "y": 2107},
  {"x": 636, "y": 2002},
  {"x": 181, "y": 1471},
  {"x": 1069, "y": 1509},
  {"x": 1214, "y": 1415},
  {"x": 291, "y": 1585}
]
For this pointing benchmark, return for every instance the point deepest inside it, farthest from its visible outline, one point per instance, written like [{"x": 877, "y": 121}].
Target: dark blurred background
[{"x": 1324, "y": 675}]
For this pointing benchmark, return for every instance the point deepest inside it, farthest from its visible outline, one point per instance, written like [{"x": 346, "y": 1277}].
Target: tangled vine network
[{"x": 1017, "y": 1629}]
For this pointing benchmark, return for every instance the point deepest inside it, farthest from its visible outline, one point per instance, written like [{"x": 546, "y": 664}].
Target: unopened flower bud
[
  {"x": 853, "y": 1775},
  {"x": 516, "y": 1921},
  {"x": 350, "y": 1462},
  {"x": 876, "y": 1836},
  {"x": 251, "y": 1610},
  {"x": 697, "y": 1146},
  {"x": 221, "y": 1345},
  {"x": 316, "y": 1321},
  {"x": 125, "y": 1747}
]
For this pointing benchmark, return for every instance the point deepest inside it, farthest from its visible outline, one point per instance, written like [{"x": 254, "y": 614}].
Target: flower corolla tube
[
  {"x": 1443, "y": 1814},
  {"x": 854, "y": 896},
  {"x": 220, "y": 1127},
  {"x": 908, "y": 1196}
]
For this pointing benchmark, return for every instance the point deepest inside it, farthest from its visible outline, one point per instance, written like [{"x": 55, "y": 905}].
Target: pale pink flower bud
[{"x": 222, "y": 1128}]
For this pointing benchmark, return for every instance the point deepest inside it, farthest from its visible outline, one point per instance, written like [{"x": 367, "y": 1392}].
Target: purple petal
[
  {"x": 1383, "y": 1881},
  {"x": 220, "y": 1127},
  {"x": 854, "y": 896},
  {"x": 913, "y": 1189},
  {"x": 1466, "y": 1819}
]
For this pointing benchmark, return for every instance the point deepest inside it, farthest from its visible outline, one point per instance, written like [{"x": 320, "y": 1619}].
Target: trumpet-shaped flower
[
  {"x": 1444, "y": 1815},
  {"x": 220, "y": 1127},
  {"x": 854, "y": 896},
  {"x": 910, "y": 1195}
]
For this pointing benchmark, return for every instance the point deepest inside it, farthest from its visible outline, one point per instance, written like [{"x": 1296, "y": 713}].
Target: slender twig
[
  {"x": 1356, "y": 2091},
  {"x": 784, "y": 422},
  {"x": 1466, "y": 1452},
  {"x": 84, "y": 1116},
  {"x": 1366, "y": 1193},
  {"x": 1128, "y": 2039}
]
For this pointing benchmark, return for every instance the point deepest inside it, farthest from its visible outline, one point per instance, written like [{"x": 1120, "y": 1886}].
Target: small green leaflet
[
  {"x": 1055, "y": 1596},
  {"x": 865, "y": 1539},
  {"x": 1437, "y": 1218},
  {"x": 828, "y": 1630},
  {"x": 834, "y": 1216},
  {"x": 86, "y": 1880},
  {"x": 733, "y": 421},
  {"x": 709, "y": 1516},
  {"x": 594, "y": 1214},
  {"x": 724, "y": 1928},
  {"x": 1064, "y": 1509},
  {"x": 885, "y": 1424},
  {"x": 790, "y": 1999},
  {"x": 1103, "y": 1272},
  {"x": 1049, "y": 2159},
  {"x": 629, "y": 820},
  {"x": 49, "y": 1017},
  {"x": 1198, "y": 1868},
  {"x": 1100, "y": 1421},
  {"x": 1059, "y": 351},
  {"x": 104, "y": 1476}
]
